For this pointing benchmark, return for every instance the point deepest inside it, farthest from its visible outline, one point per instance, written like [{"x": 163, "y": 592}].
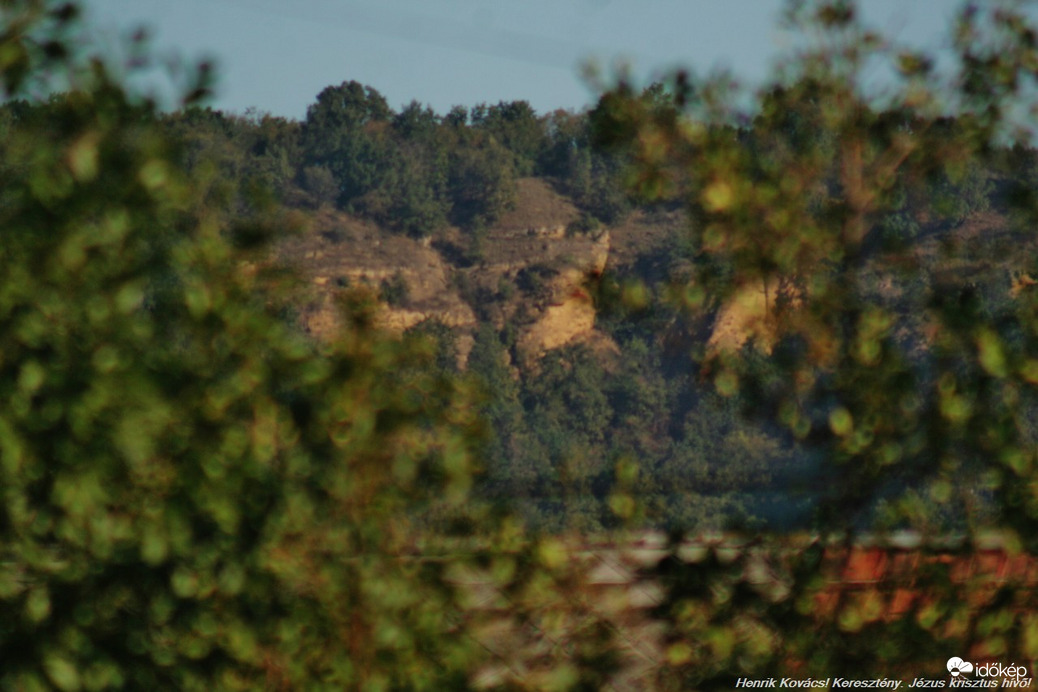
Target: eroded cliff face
[
  {"x": 341, "y": 253},
  {"x": 528, "y": 271},
  {"x": 748, "y": 315},
  {"x": 568, "y": 313}
]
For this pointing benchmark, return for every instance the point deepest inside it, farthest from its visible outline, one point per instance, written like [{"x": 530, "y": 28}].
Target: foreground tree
[
  {"x": 192, "y": 496},
  {"x": 920, "y": 398}
]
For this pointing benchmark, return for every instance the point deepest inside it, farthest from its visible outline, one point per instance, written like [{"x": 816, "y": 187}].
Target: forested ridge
[{"x": 635, "y": 401}]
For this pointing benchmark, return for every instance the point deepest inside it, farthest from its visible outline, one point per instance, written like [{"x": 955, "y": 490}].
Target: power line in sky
[{"x": 428, "y": 29}]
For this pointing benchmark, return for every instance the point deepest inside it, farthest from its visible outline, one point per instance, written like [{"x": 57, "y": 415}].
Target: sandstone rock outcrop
[{"x": 530, "y": 271}]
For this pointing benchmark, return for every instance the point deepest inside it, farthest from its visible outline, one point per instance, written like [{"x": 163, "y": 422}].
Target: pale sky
[{"x": 276, "y": 55}]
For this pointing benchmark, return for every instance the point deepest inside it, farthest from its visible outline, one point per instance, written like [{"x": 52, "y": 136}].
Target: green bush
[
  {"x": 919, "y": 407},
  {"x": 193, "y": 495}
]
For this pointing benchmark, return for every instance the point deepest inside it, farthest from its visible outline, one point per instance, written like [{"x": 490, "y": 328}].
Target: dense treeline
[{"x": 411, "y": 170}]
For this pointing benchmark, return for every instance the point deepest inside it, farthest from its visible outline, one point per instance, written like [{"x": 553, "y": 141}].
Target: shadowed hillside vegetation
[{"x": 553, "y": 252}]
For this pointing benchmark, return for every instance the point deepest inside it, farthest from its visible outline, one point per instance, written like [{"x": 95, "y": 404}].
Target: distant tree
[
  {"x": 277, "y": 151},
  {"x": 641, "y": 400},
  {"x": 457, "y": 117},
  {"x": 345, "y": 109},
  {"x": 443, "y": 342},
  {"x": 345, "y": 132},
  {"x": 566, "y": 133},
  {"x": 395, "y": 290},
  {"x": 482, "y": 181},
  {"x": 515, "y": 126},
  {"x": 319, "y": 185},
  {"x": 501, "y": 408},
  {"x": 417, "y": 192},
  {"x": 416, "y": 122}
]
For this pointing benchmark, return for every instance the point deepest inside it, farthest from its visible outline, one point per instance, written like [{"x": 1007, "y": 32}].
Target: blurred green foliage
[
  {"x": 812, "y": 200},
  {"x": 913, "y": 384},
  {"x": 192, "y": 495}
]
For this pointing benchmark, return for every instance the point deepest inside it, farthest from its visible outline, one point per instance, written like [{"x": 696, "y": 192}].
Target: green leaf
[{"x": 61, "y": 672}]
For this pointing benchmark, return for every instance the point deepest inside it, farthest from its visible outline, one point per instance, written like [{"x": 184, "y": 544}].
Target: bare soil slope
[{"x": 529, "y": 270}]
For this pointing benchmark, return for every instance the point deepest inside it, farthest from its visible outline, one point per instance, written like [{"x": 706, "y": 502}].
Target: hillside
[
  {"x": 530, "y": 270},
  {"x": 534, "y": 272},
  {"x": 618, "y": 315}
]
